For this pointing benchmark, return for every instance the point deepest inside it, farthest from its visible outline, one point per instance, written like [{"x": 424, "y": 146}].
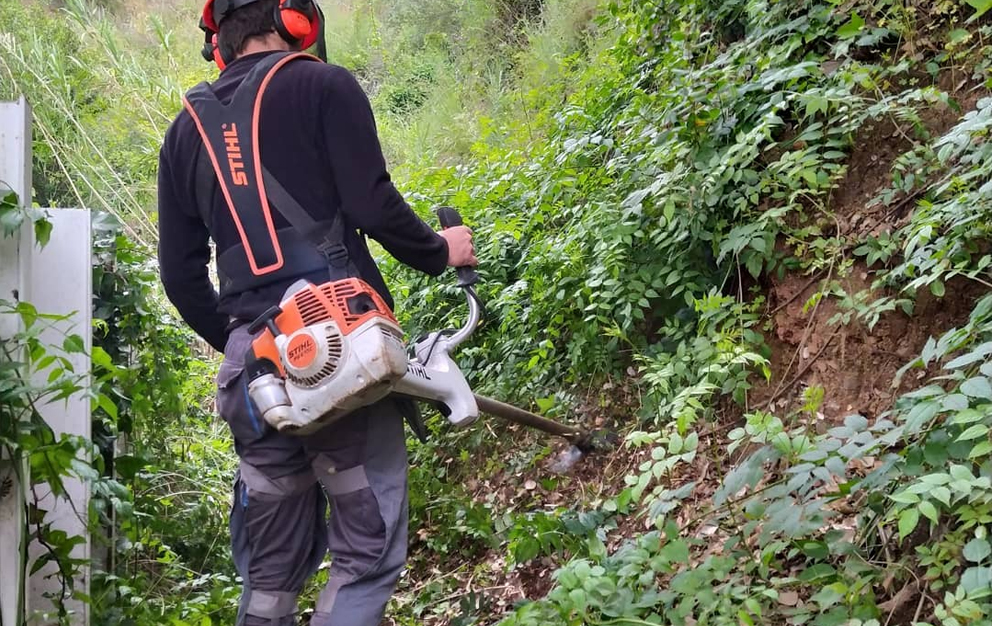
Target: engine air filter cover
[{"x": 313, "y": 354}]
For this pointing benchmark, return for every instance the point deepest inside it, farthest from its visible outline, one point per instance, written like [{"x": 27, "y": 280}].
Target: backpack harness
[{"x": 230, "y": 157}]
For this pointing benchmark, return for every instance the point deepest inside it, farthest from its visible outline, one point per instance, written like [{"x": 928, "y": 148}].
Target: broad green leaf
[
  {"x": 977, "y": 387},
  {"x": 816, "y": 104},
  {"x": 936, "y": 479},
  {"x": 691, "y": 441},
  {"x": 955, "y": 402},
  {"x": 817, "y": 572},
  {"x": 105, "y": 403},
  {"x": 937, "y": 289},
  {"x": 963, "y": 487},
  {"x": 977, "y": 581},
  {"x": 852, "y": 28},
  {"x": 976, "y": 431},
  {"x": 978, "y": 354},
  {"x": 545, "y": 404},
  {"x": 920, "y": 415},
  {"x": 100, "y": 358},
  {"x": 908, "y": 520},
  {"x": 754, "y": 264},
  {"x": 676, "y": 552},
  {"x": 42, "y": 231},
  {"x": 28, "y": 312},
  {"x": 977, "y": 550},
  {"x": 981, "y": 7},
  {"x": 10, "y": 220},
  {"x": 929, "y": 510},
  {"x": 968, "y": 416},
  {"x": 982, "y": 448},
  {"x": 960, "y": 472},
  {"x": 919, "y": 488},
  {"x": 73, "y": 344},
  {"x": 957, "y": 35},
  {"x": 816, "y": 549},
  {"x": 942, "y": 494},
  {"x": 905, "y": 497},
  {"x": 827, "y": 597},
  {"x": 856, "y": 423},
  {"x": 128, "y": 466},
  {"x": 578, "y": 598}
]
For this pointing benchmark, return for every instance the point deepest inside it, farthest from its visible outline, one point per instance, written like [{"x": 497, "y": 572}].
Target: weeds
[{"x": 637, "y": 174}]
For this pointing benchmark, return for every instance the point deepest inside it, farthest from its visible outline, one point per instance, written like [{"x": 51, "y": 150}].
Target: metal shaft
[{"x": 526, "y": 418}]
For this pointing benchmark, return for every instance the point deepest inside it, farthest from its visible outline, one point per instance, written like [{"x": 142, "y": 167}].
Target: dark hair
[{"x": 252, "y": 20}]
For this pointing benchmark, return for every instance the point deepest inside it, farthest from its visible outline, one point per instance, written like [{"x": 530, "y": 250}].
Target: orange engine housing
[{"x": 350, "y": 303}]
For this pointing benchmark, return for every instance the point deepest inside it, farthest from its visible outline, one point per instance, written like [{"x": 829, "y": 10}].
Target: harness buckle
[{"x": 335, "y": 252}]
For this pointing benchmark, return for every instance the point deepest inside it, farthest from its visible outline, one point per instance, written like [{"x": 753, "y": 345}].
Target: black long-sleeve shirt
[{"x": 317, "y": 136}]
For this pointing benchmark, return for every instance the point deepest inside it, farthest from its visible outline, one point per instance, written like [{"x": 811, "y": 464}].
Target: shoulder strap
[
  {"x": 329, "y": 241},
  {"x": 247, "y": 185}
]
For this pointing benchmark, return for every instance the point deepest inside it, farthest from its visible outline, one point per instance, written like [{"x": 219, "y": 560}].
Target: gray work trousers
[{"x": 280, "y": 532}]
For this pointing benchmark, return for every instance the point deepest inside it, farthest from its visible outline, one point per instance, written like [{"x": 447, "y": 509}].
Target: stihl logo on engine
[
  {"x": 301, "y": 351},
  {"x": 234, "y": 163}
]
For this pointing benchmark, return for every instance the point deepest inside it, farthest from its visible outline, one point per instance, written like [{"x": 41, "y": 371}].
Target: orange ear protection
[
  {"x": 299, "y": 22},
  {"x": 211, "y": 51},
  {"x": 295, "y": 20}
]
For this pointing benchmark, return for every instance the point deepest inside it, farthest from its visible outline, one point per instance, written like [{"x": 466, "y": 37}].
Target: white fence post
[
  {"x": 15, "y": 173},
  {"x": 56, "y": 279},
  {"x": 60, "y": 282}
]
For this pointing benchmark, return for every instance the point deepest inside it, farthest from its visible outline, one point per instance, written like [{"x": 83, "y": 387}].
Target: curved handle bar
[
  {"x": 475, "y": 311},
  {"x": 467, "y": 277}
]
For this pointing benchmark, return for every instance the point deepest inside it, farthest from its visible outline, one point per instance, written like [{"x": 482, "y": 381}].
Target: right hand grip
[{"x": 450, "y": 218}]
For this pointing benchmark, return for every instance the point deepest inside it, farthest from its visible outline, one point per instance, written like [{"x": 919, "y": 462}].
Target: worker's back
[{"x": 316, "y": 136}]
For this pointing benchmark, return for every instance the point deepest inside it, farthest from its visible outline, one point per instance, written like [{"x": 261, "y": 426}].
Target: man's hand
[{"x": 461, "y": 252}]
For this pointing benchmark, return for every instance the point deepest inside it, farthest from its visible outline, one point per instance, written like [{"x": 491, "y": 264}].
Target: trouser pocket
[
  {"x": 233, "y": 401},
  {"x": 236, "y": 407}
]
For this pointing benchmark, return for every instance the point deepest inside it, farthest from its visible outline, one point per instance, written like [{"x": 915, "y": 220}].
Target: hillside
[{"x": 750, "y": 238}]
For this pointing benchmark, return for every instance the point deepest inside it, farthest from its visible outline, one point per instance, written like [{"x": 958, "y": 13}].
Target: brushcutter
[{"x": 329, "y": 349}]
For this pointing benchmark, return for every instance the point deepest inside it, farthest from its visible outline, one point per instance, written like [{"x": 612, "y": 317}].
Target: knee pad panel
[
  {"x": 271, "y": 604},
  {"x": 265, "y": 488}
]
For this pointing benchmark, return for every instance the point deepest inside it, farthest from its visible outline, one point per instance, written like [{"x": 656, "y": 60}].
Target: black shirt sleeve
[
  {"x": 368, "y": 197},
  {"x": 183, "y": 257}
]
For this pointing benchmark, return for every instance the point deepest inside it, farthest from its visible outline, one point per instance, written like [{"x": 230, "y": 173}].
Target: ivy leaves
[
  {"x": 13, "y": 215},
  {"x": 852, "y": 28}
]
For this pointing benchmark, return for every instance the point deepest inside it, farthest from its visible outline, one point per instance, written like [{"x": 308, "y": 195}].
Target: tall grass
[
  {"x": 103, "y": 90},
  {"x": 438, "y": 70}
]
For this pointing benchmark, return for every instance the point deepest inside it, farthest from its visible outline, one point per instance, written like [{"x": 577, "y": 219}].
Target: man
[{"x": 316, "y": 136}]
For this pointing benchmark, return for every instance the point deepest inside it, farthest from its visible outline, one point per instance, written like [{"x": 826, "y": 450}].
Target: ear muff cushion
[
  {"x": 296, "y": 24},
  {"x": 218, "y": 58},
  {"x": 311, "y": 37}
]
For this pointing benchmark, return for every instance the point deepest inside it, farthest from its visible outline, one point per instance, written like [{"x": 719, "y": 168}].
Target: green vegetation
[{"x": 750, "y": 235}]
